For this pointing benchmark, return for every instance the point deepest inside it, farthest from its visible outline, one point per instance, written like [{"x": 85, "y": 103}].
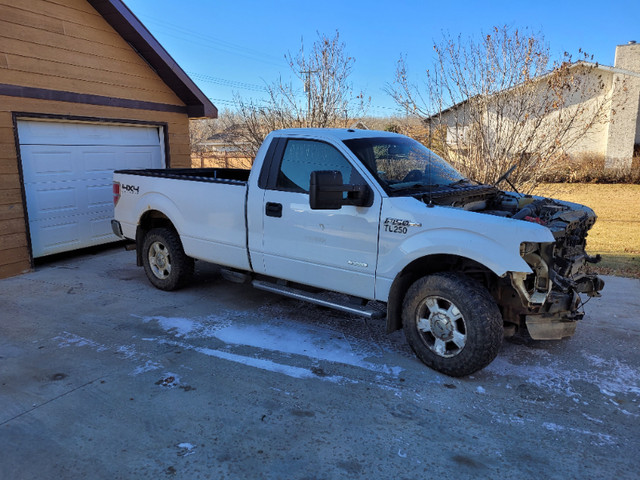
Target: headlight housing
[{"x": 534, "y": 287}]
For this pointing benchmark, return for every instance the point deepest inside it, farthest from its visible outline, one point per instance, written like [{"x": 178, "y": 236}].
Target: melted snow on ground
[
  {"x": 283, "y": 336},
  {"x": 67, "y": 340},
  {"x": 611, "y": 376}
]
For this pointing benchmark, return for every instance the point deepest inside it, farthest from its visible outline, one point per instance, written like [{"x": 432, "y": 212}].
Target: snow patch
[
  {"x": 72, "y": 340},
  {"x": 284, "y": 337},
  {"x": 313, "y": 342},
  {"x": 149, "y": 366},
  {"x": 179, "y": 326},
  {"x": 603, "y": 438},
  {"x": 67, "y": 340},
  {"x": 128, "y": 351},
  {"x": 185, "y": 449},
  {"x": 290, "y": 371},
  {"x": 611, "y": 377}
]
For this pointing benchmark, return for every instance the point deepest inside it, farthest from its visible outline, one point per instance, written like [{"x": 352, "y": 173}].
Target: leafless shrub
[
  {"x": 589, "y": 168},
  {"x": 200, "y": 130}
]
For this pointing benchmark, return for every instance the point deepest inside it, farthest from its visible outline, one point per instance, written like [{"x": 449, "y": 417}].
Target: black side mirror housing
[{"x": 326, "y": 189}]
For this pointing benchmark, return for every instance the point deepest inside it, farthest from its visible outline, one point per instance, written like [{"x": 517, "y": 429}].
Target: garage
[
  {"x": 67, "y": 171},
  {"x": 84, "y": 89}
]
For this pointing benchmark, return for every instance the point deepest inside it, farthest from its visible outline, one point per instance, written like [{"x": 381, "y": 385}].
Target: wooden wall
[{"x": 66, "y": 45}]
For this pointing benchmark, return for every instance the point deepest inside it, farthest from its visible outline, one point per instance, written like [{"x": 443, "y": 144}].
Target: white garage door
[{"x": 68, "y": 172}]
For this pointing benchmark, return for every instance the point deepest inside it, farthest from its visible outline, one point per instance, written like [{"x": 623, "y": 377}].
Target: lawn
[{"x": 616, "y": 234}]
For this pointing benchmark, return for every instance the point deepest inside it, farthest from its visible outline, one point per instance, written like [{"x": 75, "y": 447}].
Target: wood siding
[
  {"x": 72, "y": 48},
  {"x": 66, "y": 45}
]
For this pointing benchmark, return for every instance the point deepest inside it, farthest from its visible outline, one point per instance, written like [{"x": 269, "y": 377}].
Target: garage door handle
[{"x": 273, "y": 209}]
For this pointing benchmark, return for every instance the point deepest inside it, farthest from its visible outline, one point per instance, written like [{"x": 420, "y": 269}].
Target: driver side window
[{"x": 301, "y": 157}]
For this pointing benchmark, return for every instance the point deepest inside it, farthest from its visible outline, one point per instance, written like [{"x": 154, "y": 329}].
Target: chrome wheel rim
[
  {"x": 159, "y": 260},
  {"x": 441, "y": 326}
]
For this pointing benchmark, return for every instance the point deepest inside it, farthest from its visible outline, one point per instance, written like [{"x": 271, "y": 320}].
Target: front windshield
[{"x": 401, "y": 163}]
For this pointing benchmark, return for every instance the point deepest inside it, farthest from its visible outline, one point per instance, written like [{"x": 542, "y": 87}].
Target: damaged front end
[
  {"x": 550, "y": 302},
  {"x": 546, "y": 301}
]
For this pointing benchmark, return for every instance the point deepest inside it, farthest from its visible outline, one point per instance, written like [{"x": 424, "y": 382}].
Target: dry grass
[{"x": 616, "y": 234}]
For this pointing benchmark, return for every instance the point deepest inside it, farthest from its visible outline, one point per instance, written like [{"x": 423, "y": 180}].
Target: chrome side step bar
[{"x": 317, "y": 299}]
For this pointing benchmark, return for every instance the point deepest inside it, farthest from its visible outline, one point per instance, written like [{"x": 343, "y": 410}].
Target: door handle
[{"x": 273, "y": 209}]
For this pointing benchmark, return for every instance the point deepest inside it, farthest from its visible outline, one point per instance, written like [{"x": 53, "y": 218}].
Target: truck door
[{"x": 330, "y": 249}]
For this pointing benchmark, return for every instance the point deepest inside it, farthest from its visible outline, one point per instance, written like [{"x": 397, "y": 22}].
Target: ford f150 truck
[{"x": 380, "y": 219}]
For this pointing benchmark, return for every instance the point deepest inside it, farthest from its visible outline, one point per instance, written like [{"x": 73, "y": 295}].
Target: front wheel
[
  {"x": 452, "y": 323},
  {"x": 165, "y": 263}
]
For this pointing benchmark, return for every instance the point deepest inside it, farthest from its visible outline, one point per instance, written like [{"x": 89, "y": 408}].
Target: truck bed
[
  {"x": 206, "y": 206},
  {"x": 213, "y": 175}
]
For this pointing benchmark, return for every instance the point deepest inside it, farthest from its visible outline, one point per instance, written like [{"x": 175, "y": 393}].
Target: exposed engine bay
[{"x": 548, "y": 300}]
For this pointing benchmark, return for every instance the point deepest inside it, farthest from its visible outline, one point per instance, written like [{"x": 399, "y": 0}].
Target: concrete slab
[{"x": 103, "y": 376}]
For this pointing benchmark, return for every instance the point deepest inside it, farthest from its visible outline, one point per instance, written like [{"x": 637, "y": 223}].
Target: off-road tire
[
  {"x": 458, "y": 340},
  {"x": 165, "y": 263}
]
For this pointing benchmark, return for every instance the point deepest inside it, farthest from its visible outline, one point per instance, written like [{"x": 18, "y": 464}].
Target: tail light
[{"x": 116, "y": 193}]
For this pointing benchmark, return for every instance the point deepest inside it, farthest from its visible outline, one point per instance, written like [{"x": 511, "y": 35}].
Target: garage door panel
[
  {"x": 99, "y": 162},
  {"x": 139, "y": 136},
  {"x": 138, "y": 158},
  {"x": 53, "y": 200},
  {"x": 42, "y": 133},
  {"x": 56, "y": 133},
  {"x": 70, "y": 232},
  {"x": 100, "y": 230},
  {"x": 47, "y": 164},
  {"x": 68, "y": 178},
  {"x": 62, "y": 199},
  {"x": 55, "y": 237},
  {"x": 100, "y": 196}
]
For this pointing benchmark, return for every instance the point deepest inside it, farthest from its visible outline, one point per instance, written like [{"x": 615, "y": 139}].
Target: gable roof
[
  {"x": 581, "y": 63},
  {"x": 123, "y": 21}
]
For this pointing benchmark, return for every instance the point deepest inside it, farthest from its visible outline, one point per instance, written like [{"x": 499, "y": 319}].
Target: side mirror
[{"x": 326, "y": 189}]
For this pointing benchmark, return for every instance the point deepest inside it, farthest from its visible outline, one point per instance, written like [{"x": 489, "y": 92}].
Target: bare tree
[
  {"x": 200, "y": 130},
  {"x": 326, "y": 99},
  {"x": 503, "y": 102}
]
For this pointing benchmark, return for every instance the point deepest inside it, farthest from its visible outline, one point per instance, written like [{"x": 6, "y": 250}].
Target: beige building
[
  {"x": 84, "y": 89},
  {"x": 613, "y": 91}
]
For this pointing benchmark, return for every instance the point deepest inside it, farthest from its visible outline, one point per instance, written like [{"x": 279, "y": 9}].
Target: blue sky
[{"x": 237, "y": 46}]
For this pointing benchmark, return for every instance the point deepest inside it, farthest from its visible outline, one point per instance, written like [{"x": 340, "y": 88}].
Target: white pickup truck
[{"x": 380, "y": 219}]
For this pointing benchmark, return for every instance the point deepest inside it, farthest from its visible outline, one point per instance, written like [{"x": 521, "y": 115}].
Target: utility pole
[{"x": 307, "y": 90}]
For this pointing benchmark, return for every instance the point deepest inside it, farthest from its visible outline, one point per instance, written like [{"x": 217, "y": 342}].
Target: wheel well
[
  {"x": 428, "y": 265},
  {"x": 149, "y": 220}
]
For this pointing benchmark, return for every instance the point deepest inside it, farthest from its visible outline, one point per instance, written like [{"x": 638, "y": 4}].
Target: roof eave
[{"x": 118, "y": 15}]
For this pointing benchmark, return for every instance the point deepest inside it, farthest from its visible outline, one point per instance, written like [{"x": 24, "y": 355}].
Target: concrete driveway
[{"x": 103, "y": 376}]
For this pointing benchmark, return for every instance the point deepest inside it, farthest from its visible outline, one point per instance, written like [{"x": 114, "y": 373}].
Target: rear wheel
[
  {"x": 452, "y": 323},
  {"x": 165, "y": 263}
]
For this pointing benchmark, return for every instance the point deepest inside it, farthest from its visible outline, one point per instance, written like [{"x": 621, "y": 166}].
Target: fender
[
  {"x": 161, "y": 203},
  {"x": 498, "y": 256}
]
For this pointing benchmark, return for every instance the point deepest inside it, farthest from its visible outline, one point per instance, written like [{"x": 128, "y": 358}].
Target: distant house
[
  {"x": 359, "y": 125},
  {"x": 84, "y": 89},
  {"x": 618, "y": 89},
  {"x": 230, "y": 140},
  {"x": 227, "y": 149}
]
